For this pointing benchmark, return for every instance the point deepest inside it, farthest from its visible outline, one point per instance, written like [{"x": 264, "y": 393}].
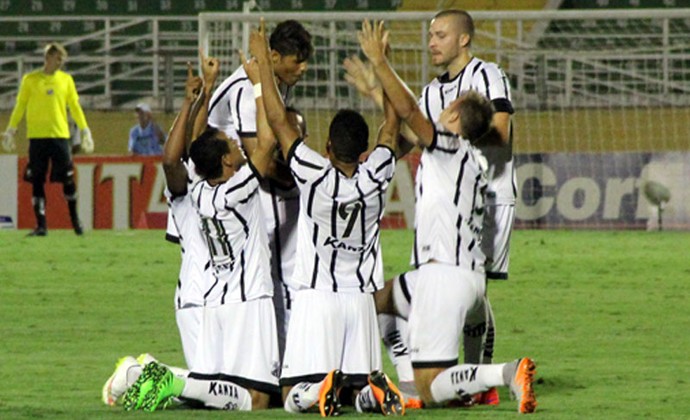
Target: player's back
[
  {"x": 232, "y": 221},
  {"x": 338, "y": 245},
  {"x": 449, "y": 210}
]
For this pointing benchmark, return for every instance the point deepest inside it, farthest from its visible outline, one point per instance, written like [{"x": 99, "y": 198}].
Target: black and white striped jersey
[
  {"x": 232, "y": 107},
  {"x": 338, "y": 229},
  {"x": 196, "y": 276},
  {"x": 489, "y": 80},
  {"x": 449, "y": 211},
  {"x": 232, "y": 223}
]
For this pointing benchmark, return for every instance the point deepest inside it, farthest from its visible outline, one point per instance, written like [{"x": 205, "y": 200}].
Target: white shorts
[
  {"x": 189, "y": 324},
  {"x": 238, "y": 343},
  {"x": 498, "y": 224},
  {"x": 445, "y": 296},
  {"x": 331, "y": 331}
]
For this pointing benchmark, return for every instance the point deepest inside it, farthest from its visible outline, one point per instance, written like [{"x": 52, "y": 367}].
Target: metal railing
[{"x": 607, "y": 57}]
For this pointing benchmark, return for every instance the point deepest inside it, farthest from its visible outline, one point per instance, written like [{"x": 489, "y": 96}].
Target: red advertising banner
[{"x": 115, "y": 192}]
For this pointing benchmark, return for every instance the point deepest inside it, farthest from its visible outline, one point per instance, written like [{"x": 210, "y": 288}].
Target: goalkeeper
[{"x": 45, "y": 95}]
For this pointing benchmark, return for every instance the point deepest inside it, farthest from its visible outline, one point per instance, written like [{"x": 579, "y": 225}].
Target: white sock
[
  {"x": 395, "y": 337},
  {"x": 365, "y": 401},
  {"x": 462, "y": 381},
  {"x": 178, "y": 371},
  {"x": 302, "y": 397},
  {"x": 223, "y": 395}
]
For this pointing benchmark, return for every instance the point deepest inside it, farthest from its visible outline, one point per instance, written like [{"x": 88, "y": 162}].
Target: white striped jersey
[
  {"x": 232, "y": 222},
  {"x": 489, "y": 80},
  {"x": 449, "y": 211},
  {"x": 232, "y": 108},
  {"x": 195, "y": 276},
  {"x": 338, "y": 228}
]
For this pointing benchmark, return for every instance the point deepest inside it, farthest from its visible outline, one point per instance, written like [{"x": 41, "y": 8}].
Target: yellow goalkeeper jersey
[{"x": 45, "y": 98}]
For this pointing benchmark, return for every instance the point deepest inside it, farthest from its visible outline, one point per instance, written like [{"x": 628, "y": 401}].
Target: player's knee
[
  {"x": 69, "y": 188},
  {"x": 422, "y": 380}
]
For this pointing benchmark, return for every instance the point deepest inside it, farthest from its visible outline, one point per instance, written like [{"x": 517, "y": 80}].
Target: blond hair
[{"x": 54, "y": 47}]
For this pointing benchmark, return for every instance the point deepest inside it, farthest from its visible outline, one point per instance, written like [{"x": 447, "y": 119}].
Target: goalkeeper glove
[
  {"x": 86, "y": 140},
  {"x": 8, "y": 142}
]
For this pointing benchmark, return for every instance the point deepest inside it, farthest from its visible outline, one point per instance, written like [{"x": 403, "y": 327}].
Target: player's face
[
  {"x": 288, "y": 69},
  {"x": 235, "y": 155},
  {"x": 444, "y": 41},
  {"x": 53, "y": 62}
]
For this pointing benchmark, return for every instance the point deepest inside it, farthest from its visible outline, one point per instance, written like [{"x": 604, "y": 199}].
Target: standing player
[
  {"x": 45, "y": 96},
  {"x": 450, "y": 39},
  {"x": 449, "y": 281},
  {"x": 332, "y": 331},
  {"x": 233, "y": 110}
]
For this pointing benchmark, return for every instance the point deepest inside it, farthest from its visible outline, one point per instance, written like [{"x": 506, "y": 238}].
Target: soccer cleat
[
  {"x": 116, "y": 385},
  {"x": 134, "y": 397},
  {"x": 413, "y": 404},
  {"x": 488, "y": 397},
  {"x": 389, "y": 398},
  {"x": 78, "y": 227},
  {"x": 164, "y": 390},
  {"x": 521, "y": 385},
  {"x": 145, "y": 358},
  {"x": 39, "y": 231},
  {"x": 329, "y": 405}
]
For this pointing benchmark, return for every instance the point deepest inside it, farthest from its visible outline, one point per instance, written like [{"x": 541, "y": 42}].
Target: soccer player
[
  {"x": 233, "y": 110},
  {"x": 448, "y": 284},
  {"x": 450, "y": 40},
  {"x": 44, "y": 96},
  {"x": 332, "y": 333},
  {"x": 195, "y": 276}
]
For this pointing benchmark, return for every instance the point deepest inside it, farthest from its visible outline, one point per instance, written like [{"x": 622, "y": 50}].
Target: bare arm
[
  {"x": 262, "y": 158},
  {"x": 388, "y": 133},
  {"x": 176, "y": 145},
  {"x": 361, "y": 76},
  {"x": 210, "y": 68},
  {"x": 373, "y": 41},
  {"x": 286, "y": 133}
]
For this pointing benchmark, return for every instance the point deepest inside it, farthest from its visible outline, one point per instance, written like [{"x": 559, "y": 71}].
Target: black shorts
[{"x": 55, "y": 151}]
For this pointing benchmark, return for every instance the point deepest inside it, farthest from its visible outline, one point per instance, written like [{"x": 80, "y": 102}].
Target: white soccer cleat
[
  {"x": 145, "y": 358},
  {"x": 116, "y": 385}
]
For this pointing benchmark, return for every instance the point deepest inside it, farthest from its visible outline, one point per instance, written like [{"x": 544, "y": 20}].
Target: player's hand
[
  {"x": 251, "y": 67},
  {"x": 8, "y": 141},
  {"x": 360, "y": 75},
  {"x": 86, "y": 140},
  {"x": 210, "y": 68},
  {"x": 258, "y": 46},
  {"x": 373, "y": 39},
  {"x": 193, "y": 84}
]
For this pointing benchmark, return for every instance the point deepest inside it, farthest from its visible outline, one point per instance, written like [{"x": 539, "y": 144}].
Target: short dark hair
[
  {"x": 463, "y": 20},
  {"x": 349, "y": 135},
  {"x": 476, "y": 113},
  {"x": 207, "y": 153},
  {"x": 291, "y": 38}
]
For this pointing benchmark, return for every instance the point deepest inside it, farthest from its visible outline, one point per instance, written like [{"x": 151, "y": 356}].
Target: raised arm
[
  {"x": 210, "y": 68},
  {"x": 262, "y": 158},
  {"x": 176, "y": 145},
  {"x": 388, "y": 133},
  {"x": 373, "y": 40},
  {"x": 276, "y": 114}
]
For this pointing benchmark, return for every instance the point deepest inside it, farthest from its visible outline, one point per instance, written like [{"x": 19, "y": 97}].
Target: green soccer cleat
[
  {"x": 116, "y": 385},
  {"x": 164, "y": 390},
  {"x": 135, "y": 395}
]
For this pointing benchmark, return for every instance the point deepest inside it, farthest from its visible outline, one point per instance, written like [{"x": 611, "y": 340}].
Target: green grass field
[{"x": 604, "y": 314}]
